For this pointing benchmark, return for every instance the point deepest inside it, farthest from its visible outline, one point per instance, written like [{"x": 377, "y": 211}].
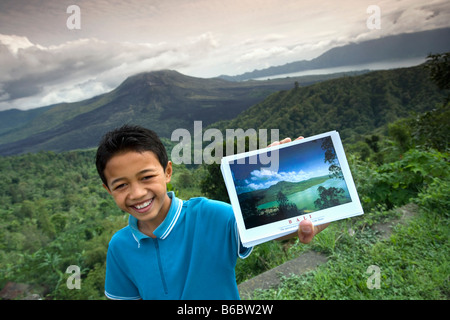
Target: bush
[
  {"x": 435, "y": 197},
  {"x": 396, "y": 183}
]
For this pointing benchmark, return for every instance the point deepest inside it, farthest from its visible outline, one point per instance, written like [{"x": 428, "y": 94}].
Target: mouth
[{"x": 143, "y": 206}]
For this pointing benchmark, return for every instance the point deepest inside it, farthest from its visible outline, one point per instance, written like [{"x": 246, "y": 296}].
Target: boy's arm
[{"x": 306, "y": 230}]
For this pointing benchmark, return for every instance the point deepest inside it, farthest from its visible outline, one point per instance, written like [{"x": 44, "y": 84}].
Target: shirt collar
[{"x": 164, "y": 229}]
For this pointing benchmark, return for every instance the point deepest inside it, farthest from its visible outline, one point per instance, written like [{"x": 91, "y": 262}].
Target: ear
[
  {"x": 107, "y": 189},
  {"x": 168, "y": 172}
]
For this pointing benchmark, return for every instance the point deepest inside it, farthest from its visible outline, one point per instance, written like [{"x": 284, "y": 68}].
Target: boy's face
[{"x": 137, "y": 182}]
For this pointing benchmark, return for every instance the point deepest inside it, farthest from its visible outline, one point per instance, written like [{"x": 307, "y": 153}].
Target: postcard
[{"x": 272, "y": 189}]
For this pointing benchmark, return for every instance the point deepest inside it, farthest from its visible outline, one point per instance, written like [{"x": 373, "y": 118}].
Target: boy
[{"x": 171, "y": 249}]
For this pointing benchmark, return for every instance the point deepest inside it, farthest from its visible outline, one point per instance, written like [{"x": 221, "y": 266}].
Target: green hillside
[
  {"x": 352, "y": 105},
  {"x": 161, "y": 100},
  {"x": 286, "y": 187},
  {"x": 167, "y": 100}
]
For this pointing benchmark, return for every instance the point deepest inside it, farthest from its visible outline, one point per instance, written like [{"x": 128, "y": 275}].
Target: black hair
[{"x": 128, "y": 138}]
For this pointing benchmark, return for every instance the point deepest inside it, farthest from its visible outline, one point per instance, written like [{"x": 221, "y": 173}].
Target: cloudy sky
[
  {"x": 297, "y": 163},
  {"x": 43, "y": 61}
]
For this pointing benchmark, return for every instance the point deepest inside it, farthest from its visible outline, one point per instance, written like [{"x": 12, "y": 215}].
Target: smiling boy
[{"x": 171, "y": 249}]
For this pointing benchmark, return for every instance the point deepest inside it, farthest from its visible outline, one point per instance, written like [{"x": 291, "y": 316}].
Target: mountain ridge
[
  {"x": 165, "y": 100},
  {"x": 162, "y": 100},
  {"x": 288, "y": 187},
  {"x": 391, "y": 48},
  {"x": 354, "y": 105}
]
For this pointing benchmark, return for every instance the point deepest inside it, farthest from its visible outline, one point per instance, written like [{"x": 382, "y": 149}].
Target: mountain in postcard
[{"x": 270, "y": 194}]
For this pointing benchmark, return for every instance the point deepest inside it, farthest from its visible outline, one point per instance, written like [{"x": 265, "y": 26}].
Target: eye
[
  {"x": 147, "y": 177},
  {"x": 120, "y": 186}
]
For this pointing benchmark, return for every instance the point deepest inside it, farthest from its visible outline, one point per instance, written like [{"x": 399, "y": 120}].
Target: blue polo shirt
[{"x": 192, "y": 257}]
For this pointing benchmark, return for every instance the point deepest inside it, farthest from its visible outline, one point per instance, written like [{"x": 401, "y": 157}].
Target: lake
[
  {"x": 382, "y": 65},
  {"x": 304, "y": 200}
]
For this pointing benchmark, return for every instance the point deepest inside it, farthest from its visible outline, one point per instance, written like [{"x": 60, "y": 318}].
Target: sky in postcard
[
  {"x": 42, "y": 61},
  {"x": 297, "y": 163}
]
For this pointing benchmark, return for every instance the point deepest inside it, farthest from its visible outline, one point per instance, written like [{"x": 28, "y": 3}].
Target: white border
[{"x": 263, "y": 233}]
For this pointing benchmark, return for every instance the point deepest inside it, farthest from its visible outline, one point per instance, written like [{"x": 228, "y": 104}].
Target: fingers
[
  {"x": 275, "y": 143},
  {"x": 306, "y": 231}
]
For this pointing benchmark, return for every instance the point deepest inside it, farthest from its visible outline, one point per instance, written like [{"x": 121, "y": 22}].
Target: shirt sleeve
[
  {"x": 243, "y": 252},
  {"x": 220, "y": 214},
  {"x": 118, "y": 286}
]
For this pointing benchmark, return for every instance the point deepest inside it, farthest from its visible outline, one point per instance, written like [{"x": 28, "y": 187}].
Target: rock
[{"x": 18, "y": 291}]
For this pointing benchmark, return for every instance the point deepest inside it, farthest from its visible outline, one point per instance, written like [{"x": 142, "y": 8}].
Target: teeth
[{"x": 145, "y": 204}]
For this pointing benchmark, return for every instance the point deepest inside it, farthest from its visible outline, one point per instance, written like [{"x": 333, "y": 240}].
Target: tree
[
  {"x": 282, "y": 199},
  {"x": 328, "y": 197},
  {"x": 213, "y": 185},
  {"x": 285, "y": 207},
  {"x": 439, "y": 67},
  {"x": 331, "y": 158},
  {"x": 372, "y": 142}
]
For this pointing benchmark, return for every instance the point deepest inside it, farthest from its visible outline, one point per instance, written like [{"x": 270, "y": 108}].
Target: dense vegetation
[
  {"x": 54, "y": 213},
  {"x": 354, "y": 106}
]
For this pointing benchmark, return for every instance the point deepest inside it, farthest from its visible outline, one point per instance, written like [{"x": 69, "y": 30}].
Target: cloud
[
  {"x": 42, "y": 62},
  {"x": 262, "y": 54},
  {"x": 32, "y": 75},
  {"x": 264, "y": 178},
  {"x": 397, "y": 18}
]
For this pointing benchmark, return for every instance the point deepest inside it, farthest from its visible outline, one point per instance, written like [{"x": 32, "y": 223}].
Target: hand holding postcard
[{"x": 272, "y": 189}]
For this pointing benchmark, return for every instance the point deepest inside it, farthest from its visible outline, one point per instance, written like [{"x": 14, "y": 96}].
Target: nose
[{"x": 137, "y": 191}]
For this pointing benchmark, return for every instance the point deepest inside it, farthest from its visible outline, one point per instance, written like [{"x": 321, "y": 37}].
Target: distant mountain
[
  {"x": 354, "y": 106},
  {"x": 162, "y": 100},
  {"x": 167, "y": 100},
  {"x": 388, "y": 49},
  {"x": 14, "y": 118}
]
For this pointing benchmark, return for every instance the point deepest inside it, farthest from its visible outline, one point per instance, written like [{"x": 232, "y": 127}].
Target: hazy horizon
[{"x": 44, "y": 62}]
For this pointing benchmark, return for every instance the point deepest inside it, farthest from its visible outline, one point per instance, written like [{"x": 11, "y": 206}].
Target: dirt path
[{"x": 271, "y": 278}]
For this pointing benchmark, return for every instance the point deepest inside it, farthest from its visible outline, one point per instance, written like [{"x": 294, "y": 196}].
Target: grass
[{"x": 413, "y": 262}]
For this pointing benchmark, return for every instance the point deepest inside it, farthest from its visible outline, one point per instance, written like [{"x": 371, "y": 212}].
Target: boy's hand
[
  {"x": 306, "y": 231},
  {"x": 283, "y": 141}
]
